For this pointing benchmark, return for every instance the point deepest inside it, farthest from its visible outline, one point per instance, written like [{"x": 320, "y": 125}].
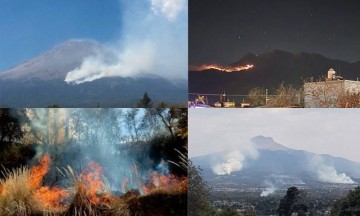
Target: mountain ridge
[
  {"x": 40, "y": 82},
  {"x": 298, "y": 164},
  {"x": 270, "y": 69}
]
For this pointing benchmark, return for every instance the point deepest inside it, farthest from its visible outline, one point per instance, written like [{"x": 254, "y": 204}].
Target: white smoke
[
  {"x": 232, "y": 162},
  {"x": 327, "y": 173},
  {"x": 270, "y": 189},
  {"x": 170, "y": 8},
  {"x": 153, "y": 42}
]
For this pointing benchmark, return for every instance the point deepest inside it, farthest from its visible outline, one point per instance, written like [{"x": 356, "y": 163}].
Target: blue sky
[{"x": 28, "y": 28}]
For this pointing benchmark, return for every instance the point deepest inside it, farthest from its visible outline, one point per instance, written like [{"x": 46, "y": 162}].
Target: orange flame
[
  {"x": 221, "y": 68},
  {"x": 38, "y": 172},
  {"x": 50, "y": 197},
  {"x": 162, "y": 182},
  {"x": 92, "y": 185}
]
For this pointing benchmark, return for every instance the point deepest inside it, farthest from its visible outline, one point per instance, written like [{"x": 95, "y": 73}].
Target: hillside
[
  {"x": 39, "y": 82},
  {"x": 270, "y": 69},
  {"x": 277, "y": 161}
]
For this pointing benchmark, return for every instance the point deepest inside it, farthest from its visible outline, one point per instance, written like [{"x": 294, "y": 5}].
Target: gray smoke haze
[
  {"x": 154, "y": 43},
  {"x": 270, "y": 188},
  {"x": 75, "y": 137},
  {"x": 326, "y": 172}
]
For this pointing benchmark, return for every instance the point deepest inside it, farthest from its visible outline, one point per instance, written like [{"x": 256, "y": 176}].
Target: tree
[
  {"x": 290, "y": 202},
  {"x": 257, "y": 96},
  {"x": 285, "y": 96},
  {"x": 348, "y": 205},
  {"x": 198, "y": 193},
  {"x": 228, "y": 212},
  {"x": 350, "y": 100},
  {"x": 10, "y": 127},
  {"x": 322, "y": 94},
  {"x": 145, "y": 102}
]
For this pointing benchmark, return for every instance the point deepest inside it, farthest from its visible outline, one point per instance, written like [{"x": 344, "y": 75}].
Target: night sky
[{"x": 222, "y": 31}]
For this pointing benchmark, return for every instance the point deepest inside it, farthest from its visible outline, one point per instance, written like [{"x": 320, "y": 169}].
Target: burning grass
[{"x": 22, "y": 193}]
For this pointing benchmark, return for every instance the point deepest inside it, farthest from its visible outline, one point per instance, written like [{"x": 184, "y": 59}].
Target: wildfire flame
[
  {"x": 92, "y": 184},
  {"x": 92, "y": 187},
  {"x": 51, "y": 197},
  {"x": 38, "y": 172},
  {"x": 162, "y": 182},
  {"x": 222, "y": 68}
]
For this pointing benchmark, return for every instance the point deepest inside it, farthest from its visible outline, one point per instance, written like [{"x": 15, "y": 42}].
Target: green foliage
[
  {"x": 290, "y": 202},
  {"x": 198, "y": 193},
  {"x": 348, "y": 205},
  {"x": 145, "y": 102},
  {"x": 228, "y": 212}
]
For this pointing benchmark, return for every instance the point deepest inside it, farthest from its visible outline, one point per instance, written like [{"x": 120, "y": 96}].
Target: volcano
[{"x": 39, "y": 82}]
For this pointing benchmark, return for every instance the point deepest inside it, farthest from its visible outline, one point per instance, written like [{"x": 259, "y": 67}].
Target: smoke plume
[
  {"x": 270, "y": 189},
  {"x": 153, "y": 43},
  {"x": 234, "y": 160},
  {"x": 328, "y": 173}
]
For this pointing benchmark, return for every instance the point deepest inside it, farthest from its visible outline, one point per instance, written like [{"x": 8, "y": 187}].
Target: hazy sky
[
  {"x": 28, "y": 28},
  {"x": 325, "y": 131},
  {"x": 222, "y": 31}
]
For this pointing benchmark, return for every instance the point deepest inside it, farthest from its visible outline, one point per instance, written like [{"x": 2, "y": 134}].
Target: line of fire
[
  {"x": 93, "y": 162},
  {"x": 328, "y": 91}
]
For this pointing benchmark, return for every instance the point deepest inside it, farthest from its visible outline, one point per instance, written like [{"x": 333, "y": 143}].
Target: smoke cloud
[
  {"x": 233, "y": 161},
  {"x": 153, "y": 43},
  {"x": 75, "y": 137},
  {"x": 328, "y": 173},
  {"x": 270, "y": 189},
  {"x": 169, "y": 8}
]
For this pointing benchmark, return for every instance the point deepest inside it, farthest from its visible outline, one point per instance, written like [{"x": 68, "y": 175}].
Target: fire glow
[
  {"x": 90, "y": 183},
  {"x": 51, "y": 197},
  {"x": 227, "y": 69},
  {"x": 95, "y": 162}
]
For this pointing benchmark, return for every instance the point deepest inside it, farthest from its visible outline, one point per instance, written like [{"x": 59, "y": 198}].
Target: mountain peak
[
  {"x": 54, "y": 63},
  {"x": 267, "y": 143}
]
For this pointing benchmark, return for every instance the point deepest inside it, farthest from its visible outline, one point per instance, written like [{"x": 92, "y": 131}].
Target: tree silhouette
[
  {"x": 348, "y": 205},
  {"x": 145, "y": 102},
  {"x": 198, "y": 193},
  {"x": 10, "y": 128},
  {"x": 290, "y": 202}
]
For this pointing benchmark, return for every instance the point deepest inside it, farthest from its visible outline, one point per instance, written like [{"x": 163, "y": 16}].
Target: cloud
[
  {"x": 327, "y": 173},
  {"x": 169, "y": 8},
  {"x": 153, "y": 43}
]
